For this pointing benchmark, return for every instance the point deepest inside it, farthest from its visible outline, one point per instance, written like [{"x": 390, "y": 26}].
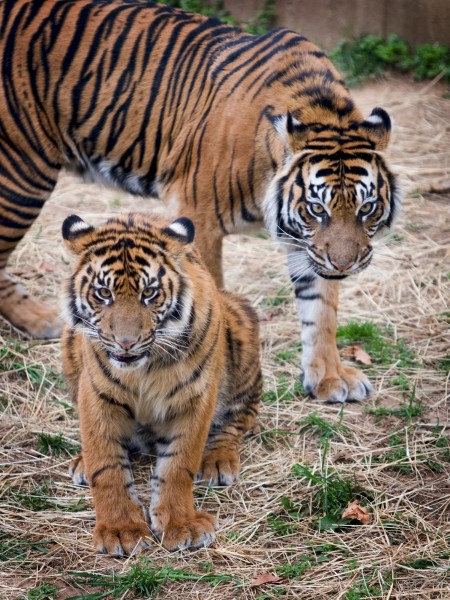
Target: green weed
[
  {"x": 286, "y": 390},
  {"x": 13, "y": 360},
  {"x": 411, "y": 409},
  {"x": 42, "y": 592},
  {"x": 326, "y": 429},
  {"x": 294, "y": 570},
  {"x": 55, "y": 444},
  {"x": 282, "y": 297},
  {"x": 18, "y": 549},
  {"x": 374, "y": 340},
  {"x": 40, "y": 497},
  {"x": 144, "y": 580}
]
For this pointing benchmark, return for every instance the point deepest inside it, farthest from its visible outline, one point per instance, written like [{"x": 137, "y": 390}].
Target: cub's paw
[
  {"x": 77, "y": 471},
  {"x": 220, "y": 466},
  {"x": 180, "y": 534},
  {"x": 121, "y": 539},
  {"x": 342, "y": 384}
]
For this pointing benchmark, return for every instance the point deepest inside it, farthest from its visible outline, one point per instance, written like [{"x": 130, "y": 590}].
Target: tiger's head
[
  {"x": 332, "y": 195},
  {"x": 127, "y": 291}
]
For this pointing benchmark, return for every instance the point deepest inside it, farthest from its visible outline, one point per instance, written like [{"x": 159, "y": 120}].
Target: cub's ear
[
  {"x": 291, "y": 131},
  {"x": 377, "y": 128},
  {"x": 76, "y": 233},
  {"x": 182, "y": 230}
]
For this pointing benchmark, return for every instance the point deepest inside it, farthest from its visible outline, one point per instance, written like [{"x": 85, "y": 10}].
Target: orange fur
[{"x": 155, "y": 357}]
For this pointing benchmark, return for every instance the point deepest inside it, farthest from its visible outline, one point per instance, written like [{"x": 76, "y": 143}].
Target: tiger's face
[
  {"x": 127, "y": 292},
  {"x": 330, "y": 199}
]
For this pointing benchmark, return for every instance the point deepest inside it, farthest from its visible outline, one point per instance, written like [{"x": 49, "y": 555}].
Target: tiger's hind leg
[
  {"x": 20, "y": 203},
  {"x": 239, "y": 401}
]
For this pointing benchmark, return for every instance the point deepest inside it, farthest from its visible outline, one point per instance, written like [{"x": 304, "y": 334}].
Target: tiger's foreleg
[
  {"x": 179, "y": 449},
  {"x": 20, "y": 204},
  {"x": 121, "y": 527},
  {"x": 324, "y": 376}
]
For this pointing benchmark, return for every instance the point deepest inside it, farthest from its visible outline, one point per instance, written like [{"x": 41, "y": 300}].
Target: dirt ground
[{"x": 393, "y": 453}]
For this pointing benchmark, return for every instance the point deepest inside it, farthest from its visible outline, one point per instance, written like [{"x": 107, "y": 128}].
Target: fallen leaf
[
  {"x": 264, "y": 578},
  {"x": 358, "y": 354},
  {"x": 356, "y": 512}
]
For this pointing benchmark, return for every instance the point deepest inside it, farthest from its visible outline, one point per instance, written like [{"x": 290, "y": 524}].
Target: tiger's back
[{"x": 156, "y": 358}]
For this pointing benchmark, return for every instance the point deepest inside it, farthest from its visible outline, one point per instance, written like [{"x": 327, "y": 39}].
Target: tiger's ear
[
  {"x": 377, "y": 128},
  {"x": 182, "y": 230},
  {"x": 76, "y": 233},
  {"x": 292, "y": 132}
]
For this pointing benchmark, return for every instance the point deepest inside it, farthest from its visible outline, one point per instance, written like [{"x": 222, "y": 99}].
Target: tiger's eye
[
  {"x": 366, "y": 208},
  {"x": 317, "y": 209},
  {"x": 104, "y": 293},
  {"x": 148, "y": 292}
]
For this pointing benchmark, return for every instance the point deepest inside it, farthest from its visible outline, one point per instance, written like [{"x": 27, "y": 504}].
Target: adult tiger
[
  {"x": 158, "y": 359},
  {"x": 233, "y": 128}
]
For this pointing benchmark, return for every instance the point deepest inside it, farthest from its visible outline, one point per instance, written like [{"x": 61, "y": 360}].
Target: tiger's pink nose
[
  {"x": 126, "y": 343},
  {"x": 341, "y": 265}
]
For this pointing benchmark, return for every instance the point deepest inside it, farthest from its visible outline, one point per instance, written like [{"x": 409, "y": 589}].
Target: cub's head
[
  {"x": 333, "y": 194},
  {"x": 127, "y": 289}
]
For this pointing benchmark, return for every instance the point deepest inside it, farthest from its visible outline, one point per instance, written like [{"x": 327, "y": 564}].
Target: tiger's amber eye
[
  {"x": 366, "y": 208},
  {"x": 317, "y": 209},
  {"x": 148, "y": 292},
  {"x": 104, "y": 293}
]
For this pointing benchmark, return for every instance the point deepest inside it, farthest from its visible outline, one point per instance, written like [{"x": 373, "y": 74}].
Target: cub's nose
[{"x": 126, "y": 343}]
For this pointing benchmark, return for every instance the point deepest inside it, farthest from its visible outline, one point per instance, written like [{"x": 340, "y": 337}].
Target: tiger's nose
[
  {"x": 341, "y": 265},
  {"x": 126, "y": 343}
]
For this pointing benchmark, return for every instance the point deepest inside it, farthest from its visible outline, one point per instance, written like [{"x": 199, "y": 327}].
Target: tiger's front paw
[
  {"x": 120, "y": 539},
  {"x": 180, "y": 534},
  {"x": 337, "y": 385},
  {"x": 220, "y": 466}
]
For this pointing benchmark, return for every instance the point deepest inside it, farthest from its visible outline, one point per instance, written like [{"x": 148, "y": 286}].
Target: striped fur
[
  {"x": 234, "y": 129},
  {"x": 157, "y": 359}
]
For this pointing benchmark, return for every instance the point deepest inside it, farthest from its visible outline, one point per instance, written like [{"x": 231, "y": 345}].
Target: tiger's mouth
[{"x": 126, "y": 358}]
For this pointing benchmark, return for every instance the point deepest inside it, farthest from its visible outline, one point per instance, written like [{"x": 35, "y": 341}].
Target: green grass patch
[
  {"x": 39, "y": 497},
  {"x": 286, "y": 390},
  {"x": 325, "y": 429},
  {"x": 55, "y": 444},
  {"x": 282, "y": 297},
  {"x": 14, "y": 361},
  {"x": 377, "y": 343},
  {"x": 144, "y": 579},
  {"x": 13, "y": 549},
  {"x": 46, "y": 591},
  {"x": 409, "y": 410}
]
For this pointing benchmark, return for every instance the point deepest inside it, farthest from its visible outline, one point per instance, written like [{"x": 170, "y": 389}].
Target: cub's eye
[
  {"x": 317, "y": 209},
  {"x": 104, "y": 293},
  {"x": 148, "y": 293},
  {"x": 368, "y": 208}
]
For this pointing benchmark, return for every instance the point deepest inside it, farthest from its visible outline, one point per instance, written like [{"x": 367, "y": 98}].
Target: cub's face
[
  {"x": 126, "y": 291},
  {"x": 330, "y": 199}
]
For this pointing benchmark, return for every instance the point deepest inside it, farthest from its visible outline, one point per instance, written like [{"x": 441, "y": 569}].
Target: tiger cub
[{"x": 157, "y": 358}]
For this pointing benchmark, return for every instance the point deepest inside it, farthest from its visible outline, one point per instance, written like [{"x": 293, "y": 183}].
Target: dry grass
[{"x": 46, "y": 522}]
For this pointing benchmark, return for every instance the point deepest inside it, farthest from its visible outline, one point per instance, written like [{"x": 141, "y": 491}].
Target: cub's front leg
[
  {"x": 324, "y": 376},
  {"x": 120, "y": 522},
  {"x": 173, "y": 518}
]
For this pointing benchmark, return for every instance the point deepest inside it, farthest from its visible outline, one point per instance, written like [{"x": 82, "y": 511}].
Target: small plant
[
  {"x": 409, "y": 410},
  {"x": 144, "y": 580},
  {"x": 55, "y": 444},
  {"x": 286, "y": 390},
  {"x": 375, "y": 341},
  {"x": 42, "y": 592},
  {"x": 325, "y": 428}
]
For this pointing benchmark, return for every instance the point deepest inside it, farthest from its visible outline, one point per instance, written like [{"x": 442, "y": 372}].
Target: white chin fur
[{"x": 123, "y": 366}]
